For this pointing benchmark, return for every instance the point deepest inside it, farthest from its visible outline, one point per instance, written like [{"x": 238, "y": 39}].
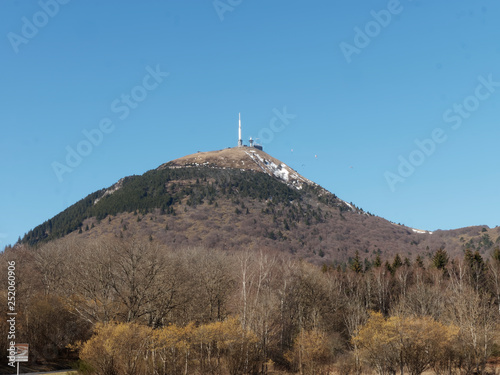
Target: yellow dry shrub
[
  {"x": 414, "y": 343},
  {"x": 172, "y": 349},
  {"x": 311, "y": 352},
  {"x": 117, "y": 349},
  {"x": 128, "y": 348}
]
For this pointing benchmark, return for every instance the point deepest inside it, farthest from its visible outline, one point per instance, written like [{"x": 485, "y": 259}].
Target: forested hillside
[
  {"x": 227, "y": 208},
  {"x": 163, "y": 189}
]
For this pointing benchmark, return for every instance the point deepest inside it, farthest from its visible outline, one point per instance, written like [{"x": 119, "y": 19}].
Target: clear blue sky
[{"x": 364, "y": 79}]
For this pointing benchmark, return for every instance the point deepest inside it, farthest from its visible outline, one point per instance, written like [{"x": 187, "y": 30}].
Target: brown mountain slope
[
  {"x": 246, "y": 224},
  {"x": 243, "y": 198},
  {"x": 243, "y": 158},
  {"x": 236, "y": 157}
]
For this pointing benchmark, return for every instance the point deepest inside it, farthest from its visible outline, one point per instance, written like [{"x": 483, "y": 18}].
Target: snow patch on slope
[
  {"x": 349, "y": 205},
  {"x": 281, "y": 171},
  {"x": 111, "y": 190},
  {"x": 421, "y": 231},
  {"x": 418, "y": 231}
]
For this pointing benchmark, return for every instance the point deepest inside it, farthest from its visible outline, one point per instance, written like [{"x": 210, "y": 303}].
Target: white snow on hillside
[
  {"x": 111, "y": 190},
  {"x": 349, "y": 205},
  {"x": 421, "y": 231},
  {"x": 281, "y": 171}
]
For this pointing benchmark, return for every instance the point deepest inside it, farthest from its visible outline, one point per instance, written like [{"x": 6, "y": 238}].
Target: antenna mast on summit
[{"x": 240, "y": 141}]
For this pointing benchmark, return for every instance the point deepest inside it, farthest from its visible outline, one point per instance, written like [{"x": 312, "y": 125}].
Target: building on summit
[{"x": 253, "y": 143}]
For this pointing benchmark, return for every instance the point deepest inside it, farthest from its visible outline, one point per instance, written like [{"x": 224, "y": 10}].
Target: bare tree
[
  {"x": 494, "y": 277},
  {"x": 136, "y": 277},
  {"x": 355, "y": 312},
  {"x": 87, "y": 287},
  {"x": 423, "y": 299},
  {"x": 476, "y": 317},
  {"x": 214, "y": 282},
  {"x": 381, "y": 287}
]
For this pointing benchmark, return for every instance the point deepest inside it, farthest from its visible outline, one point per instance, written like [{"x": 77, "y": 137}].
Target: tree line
[
  {"x": 138, "y": 307},
  {"x": 163, "y": 189}
]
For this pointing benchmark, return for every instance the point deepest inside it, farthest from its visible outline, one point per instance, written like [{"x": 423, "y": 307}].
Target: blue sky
[{"x": 392, "y": 105}]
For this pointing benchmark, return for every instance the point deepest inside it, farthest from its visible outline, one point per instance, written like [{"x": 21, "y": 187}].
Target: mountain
[{"x": 243, "y": 198}]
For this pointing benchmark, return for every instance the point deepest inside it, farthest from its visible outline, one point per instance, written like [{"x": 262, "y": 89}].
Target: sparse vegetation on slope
[
  {"x": 163, "y": 189},
  {"x": 236, "y": 208}
]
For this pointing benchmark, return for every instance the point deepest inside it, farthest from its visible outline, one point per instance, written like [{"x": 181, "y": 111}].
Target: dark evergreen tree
[
  {"x": 388, "y": 267},
  {"x": 477, "y": 268},
  {"x": 356, "y": 265},
  {"x": 397, "y": 262},
  {"x": 440, "y": 259},
  {"x": 496, "y": 254}
]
